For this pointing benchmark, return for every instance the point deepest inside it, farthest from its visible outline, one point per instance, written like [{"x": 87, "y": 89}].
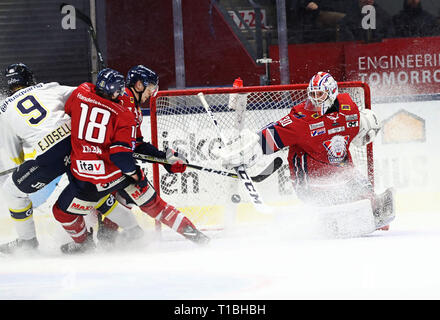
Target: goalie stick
[
  {"x": 269, "y": 170},
  {"x": 256, "y": 199},
  {"x": 92, "y": 33}
]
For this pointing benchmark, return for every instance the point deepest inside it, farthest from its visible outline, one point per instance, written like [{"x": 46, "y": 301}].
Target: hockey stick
[
  {"x": 7, "y": 171},
  {"x": 256, "y": 199},
  {"x": 271, "y": 168},
  {"x": 92, "y": 33}
]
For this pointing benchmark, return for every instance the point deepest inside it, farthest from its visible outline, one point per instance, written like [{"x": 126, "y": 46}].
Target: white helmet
[{"x": 322, "y": 92}]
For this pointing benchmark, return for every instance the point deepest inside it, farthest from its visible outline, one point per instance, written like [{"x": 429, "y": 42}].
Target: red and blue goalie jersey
[
  {"x": 103, "y": 136},
  {"x": 318, "y": 145}
]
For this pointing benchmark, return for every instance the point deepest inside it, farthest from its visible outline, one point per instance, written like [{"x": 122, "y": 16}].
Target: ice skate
[
  {"x": 106, "y": 234},
  {"x": 195, "y": 235},
  {"x": 79, "y": 247},
  {"x": 132, "y": 234},
  {"x": 19, "y": 245}
]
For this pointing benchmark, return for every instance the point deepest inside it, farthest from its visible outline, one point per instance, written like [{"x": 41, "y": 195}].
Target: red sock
[
  {"x": 73, "y": 224},
  {"x": 167, "y": 214}
]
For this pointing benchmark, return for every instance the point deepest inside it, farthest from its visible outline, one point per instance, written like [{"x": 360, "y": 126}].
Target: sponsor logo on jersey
[
  {"x": 140, "y": 197},
  {"x": 351, "y": 117},
  {"x": 345, "y": 107},
  {"x": 336, "y": 130},
  {"x": 317, "y": 132},
  {"x": 316, "y": 125},
  {"x": 299, "y": 115},
  {"x": 91, "y": 149},
  {"x": 315, "y": 115},
  {"x": 38, "y": 185},
  {"x": 352, "y": 124},
  {"x": 18, "y": 94},
  {"x": 52, "y": 138},
  {"x": 336, "y": 149},
  {"x": 78, "y": 206},
  {"x": 105, "y": 186},
  {"x": 91, "y": 166}
]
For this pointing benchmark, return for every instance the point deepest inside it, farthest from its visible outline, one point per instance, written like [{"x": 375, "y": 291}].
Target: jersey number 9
[{"x": 30, "y": 107}]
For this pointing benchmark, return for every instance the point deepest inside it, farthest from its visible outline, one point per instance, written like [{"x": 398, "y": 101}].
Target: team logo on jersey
[
  {"x": 91, "y": 166},
  {"x": 336, "y": 149},
  {"x": 317, "y": 132}
]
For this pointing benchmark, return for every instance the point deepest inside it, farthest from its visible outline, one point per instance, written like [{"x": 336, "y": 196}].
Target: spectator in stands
[
  {"x": 315, "y": 21},
  {"x": 350, "y": 27},
  {"x": 413, "y": 21},
  {"x": 301, "y": 20}
]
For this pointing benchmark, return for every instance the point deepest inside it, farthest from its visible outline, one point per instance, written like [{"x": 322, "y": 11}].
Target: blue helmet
[
  {"x": 19, "y": 75},
  {"x": 109, "y": 82},
  {"x": 142, "y": 73}
]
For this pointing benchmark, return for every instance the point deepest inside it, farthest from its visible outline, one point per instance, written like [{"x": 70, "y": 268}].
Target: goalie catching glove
[
  {"x": 369, "y": 126},
  {"x": 243, "y": 149}
]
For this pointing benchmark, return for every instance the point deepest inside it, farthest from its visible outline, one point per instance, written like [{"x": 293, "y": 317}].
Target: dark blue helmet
[
  {"x": 109, "y": 82},
  {"x": 142, "y": 73},
  {"x": 19, "y": 75}
]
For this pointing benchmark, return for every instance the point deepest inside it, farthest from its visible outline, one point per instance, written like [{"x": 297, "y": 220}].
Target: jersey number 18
[{"x": 93, "y": 127}]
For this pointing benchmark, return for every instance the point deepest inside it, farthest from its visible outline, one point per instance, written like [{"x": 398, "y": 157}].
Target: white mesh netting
[{"x": 184, "y": 125}]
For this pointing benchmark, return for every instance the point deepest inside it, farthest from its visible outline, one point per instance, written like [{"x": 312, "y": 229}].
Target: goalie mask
[{"x": 322, "y": 92}]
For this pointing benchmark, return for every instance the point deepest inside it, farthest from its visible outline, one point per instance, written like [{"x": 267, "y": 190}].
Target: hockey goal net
[{"x": 179, "y": 121}]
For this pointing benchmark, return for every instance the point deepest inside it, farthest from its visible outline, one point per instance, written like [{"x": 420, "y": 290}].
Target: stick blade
[{"x": 273, "y": 167}]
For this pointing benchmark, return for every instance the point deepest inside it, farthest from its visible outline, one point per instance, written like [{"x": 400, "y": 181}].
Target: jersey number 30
[{"x": 93, "y": 127}]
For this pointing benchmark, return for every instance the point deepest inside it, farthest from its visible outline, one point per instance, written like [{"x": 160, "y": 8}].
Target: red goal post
[{"x": 177, "y": 120}]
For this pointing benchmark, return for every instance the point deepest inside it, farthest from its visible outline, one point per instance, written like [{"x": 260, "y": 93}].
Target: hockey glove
[
  {"x": 141, "y": 181},
  {"x": 177, "y": 162}
]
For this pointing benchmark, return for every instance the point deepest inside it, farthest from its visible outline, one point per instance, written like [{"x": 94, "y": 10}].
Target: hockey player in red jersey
[
  {"x": 318, "y": 133},
  {"x": 103, "y": 138},
  {"x": 143, "y": 83}
]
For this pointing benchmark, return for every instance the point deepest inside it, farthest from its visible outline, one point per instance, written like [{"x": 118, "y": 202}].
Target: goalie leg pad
[
  {"x": 347, "y": 220},
  {"x": 384, "y": 205}
]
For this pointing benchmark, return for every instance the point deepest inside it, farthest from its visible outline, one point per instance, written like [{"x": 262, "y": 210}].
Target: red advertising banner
[{"x": 395, "y": 67}]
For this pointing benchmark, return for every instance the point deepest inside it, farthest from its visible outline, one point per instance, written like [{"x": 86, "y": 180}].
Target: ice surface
[{"x": 256, "y": 263}]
